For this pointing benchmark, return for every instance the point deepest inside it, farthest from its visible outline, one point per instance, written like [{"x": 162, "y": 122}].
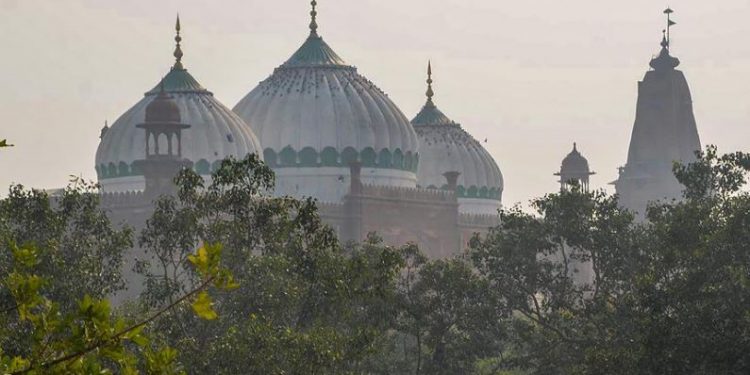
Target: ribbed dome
[
  {"x": 574, "y": 163},
  {"x": 446, "y": 147},
  {"x": 315, "y": 114},
  {"x": 215, "y": 133}
]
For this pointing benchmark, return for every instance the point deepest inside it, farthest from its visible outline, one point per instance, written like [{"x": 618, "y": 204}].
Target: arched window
[
  {"x": 112, "y": 170},
  {"x": 216, "y": 165},
  {"x": 484, "y": 192},
  {"x": 408, "y": 161},
  {"x": 329, "y": 157},
  {"x": 398, "y": 159},
  {"x": 384, "y": 159},
  {"x": 415, "y": 163},
  {"x": 269, "y": 156},
  {"x": 461, "y": 191},
  {"x": 123, "y": 169},
  {"x": 369, "y": 157},
  {"x": 151, "y": 144},
  {"x": 348, "y": 156},
  {"x": 135, "y": 169},
  {"x": 473, "y": 192},
  {"x": 163, "y": 145},
  {"x": 203, "y": 167},
  {"x": 175, "y": 144},
  {"x": 308, "y": 157},
  {"x": 103, "y": 171},
  {"x": 288, "y": 157}
]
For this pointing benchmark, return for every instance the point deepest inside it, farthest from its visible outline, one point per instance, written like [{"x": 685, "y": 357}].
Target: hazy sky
[{"x": 530, "y": 76}]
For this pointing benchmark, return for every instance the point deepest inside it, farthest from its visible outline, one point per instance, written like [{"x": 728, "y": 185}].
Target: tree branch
[{"x": 119, "y": 335}]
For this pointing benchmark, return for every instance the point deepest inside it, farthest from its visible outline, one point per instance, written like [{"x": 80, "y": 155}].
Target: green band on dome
[
  {"x": 474, "y": 192},
  {"x": 309, "y": 157},
  {"x": 122, "y": 169}
]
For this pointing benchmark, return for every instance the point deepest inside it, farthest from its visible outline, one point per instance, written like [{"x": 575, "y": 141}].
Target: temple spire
[
  {"x": 313, "y": 22},
  {"x": 178, "y": 48},
  {"x": 429, "y": 92}
]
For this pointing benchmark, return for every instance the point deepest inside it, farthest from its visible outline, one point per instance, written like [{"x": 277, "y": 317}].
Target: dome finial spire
[
  {"x": 429, "y": 92},
  {"x": 313, "y": 22},
  {"x": 178, "y": 48}
]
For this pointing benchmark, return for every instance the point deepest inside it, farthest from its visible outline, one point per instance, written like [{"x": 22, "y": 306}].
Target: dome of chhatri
[
  {"x": 574, "y": 163},
  {"x": 315, "y": 115},
  {"x": 446, "y": 147},
  {"x": 215, "y": 131},
  {"x": 163, "y": 109}
]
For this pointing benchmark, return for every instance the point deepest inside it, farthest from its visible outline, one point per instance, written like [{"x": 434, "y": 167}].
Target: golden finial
[
  {"x": 313, "y": 23},
  {"x": 178, "y": 49},
  {"x": 429, "y": 93}
]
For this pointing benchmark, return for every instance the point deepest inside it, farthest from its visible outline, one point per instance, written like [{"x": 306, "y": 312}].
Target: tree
[
  {"x": 448, "y": 321},
  {"x": 669, "y": 295},
  {"x": 90, "y": 339},
  {"x": 305, "y": 303},
  {"x": 79, "y": 250}
]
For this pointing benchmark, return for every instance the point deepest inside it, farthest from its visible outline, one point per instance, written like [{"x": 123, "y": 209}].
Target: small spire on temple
[
  {"x": 575, "y": 147},
  {"x": 178, "y": 50},
  {"x": 429, "y": 92},
  {"x": 665, "y": 61},
  {"x": 313, "y": 15}
]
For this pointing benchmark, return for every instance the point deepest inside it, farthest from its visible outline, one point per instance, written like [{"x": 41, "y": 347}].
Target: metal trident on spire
[
  {"x": 670, "y": 23},
  {"x": 178, "y": 49},
  {"x": 429, "y": 92},
  {"x": 313, "y": 23}
]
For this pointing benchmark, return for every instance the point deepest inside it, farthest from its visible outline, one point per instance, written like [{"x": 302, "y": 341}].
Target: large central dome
[{"x": 315, "y": 115}]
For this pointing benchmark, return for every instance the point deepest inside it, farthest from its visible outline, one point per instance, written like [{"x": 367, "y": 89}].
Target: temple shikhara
[{"x": 331, "y": 134}]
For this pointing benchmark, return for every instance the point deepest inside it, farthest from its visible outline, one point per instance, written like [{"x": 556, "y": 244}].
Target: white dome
[
  {"x": 315, "y": 114},
  {"x": 215, "y": 133},
  {"x": 446, "y": 147}
]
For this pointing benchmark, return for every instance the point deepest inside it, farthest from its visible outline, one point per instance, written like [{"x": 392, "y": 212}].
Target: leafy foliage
[
  {"x": 594, "y": 292},
  {"x": 304, "y": 303},
  {"x": 578, "y": 286},
  {"x": 91, "y": 339},
  {"x": 74, "y": 247}
]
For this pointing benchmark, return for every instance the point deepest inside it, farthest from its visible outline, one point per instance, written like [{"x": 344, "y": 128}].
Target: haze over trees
[{"x": 238, "y": 281}]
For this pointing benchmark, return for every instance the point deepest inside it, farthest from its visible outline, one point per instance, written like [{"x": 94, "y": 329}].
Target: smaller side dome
[{"x": 452, "y": 159}]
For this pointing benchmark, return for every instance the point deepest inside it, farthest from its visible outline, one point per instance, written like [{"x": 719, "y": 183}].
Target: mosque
[{"x": 330, "y": 133}]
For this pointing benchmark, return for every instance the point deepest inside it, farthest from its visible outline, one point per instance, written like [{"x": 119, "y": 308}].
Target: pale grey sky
[{"x": 530, "y": 76}]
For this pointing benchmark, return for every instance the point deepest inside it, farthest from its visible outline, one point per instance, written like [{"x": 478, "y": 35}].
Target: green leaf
[{"x": 203, "y": 307}]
